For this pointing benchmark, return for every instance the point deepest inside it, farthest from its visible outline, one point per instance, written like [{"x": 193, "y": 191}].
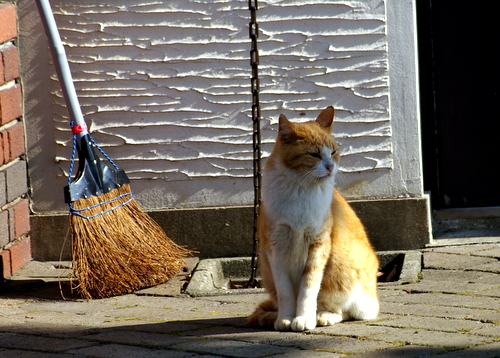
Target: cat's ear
[
  {"x": 286, "y": 130},
  {"x": 325, "y": 118}
]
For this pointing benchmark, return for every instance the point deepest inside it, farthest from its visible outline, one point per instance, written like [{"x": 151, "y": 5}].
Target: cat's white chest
[
  {"x": 301, "y": 208},
  {"x": 296, "y": 215}
]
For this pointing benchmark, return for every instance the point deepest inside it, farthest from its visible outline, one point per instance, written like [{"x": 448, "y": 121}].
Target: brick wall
[{"x": 15, "y": 246}]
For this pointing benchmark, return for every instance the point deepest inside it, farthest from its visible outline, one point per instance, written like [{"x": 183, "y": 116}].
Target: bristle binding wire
[{"x": 78, "y": 211}]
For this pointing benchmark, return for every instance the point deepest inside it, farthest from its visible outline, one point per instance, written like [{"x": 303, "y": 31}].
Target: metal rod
[
  {"x": 256, "y": 134},
  {"x": 61, "y": 64}
]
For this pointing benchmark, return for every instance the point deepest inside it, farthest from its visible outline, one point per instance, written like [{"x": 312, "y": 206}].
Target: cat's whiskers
[
  {"x": 340, "y": 178},
  {"x": 306, "y": 179}
]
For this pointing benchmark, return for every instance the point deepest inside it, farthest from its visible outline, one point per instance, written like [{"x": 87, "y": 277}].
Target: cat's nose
[{"x": 329, "y": 167}]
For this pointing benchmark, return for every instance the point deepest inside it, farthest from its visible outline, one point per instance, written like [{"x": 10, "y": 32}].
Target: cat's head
[{"x": 309, "y": 149}]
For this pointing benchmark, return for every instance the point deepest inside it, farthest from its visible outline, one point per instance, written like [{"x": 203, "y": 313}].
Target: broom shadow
[{"x": 53, "y": 281}]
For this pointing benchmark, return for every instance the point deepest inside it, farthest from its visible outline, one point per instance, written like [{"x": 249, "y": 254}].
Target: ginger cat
[{"x": 316, "y": 261}]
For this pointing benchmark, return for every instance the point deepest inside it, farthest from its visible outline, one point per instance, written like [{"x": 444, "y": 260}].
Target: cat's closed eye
[
  {"x": 334, "y": 152},
  {"x": 315, "y": 155}
]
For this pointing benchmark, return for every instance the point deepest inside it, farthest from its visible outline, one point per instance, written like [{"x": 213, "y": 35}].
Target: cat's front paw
[
  {"x": 283, "y": 323},
  {"x": 302, "y": 323},
  {"x": 326, "y": 318}
]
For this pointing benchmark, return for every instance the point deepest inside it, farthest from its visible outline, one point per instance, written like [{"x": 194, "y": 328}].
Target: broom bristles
[{"x": 122, "y": 250}]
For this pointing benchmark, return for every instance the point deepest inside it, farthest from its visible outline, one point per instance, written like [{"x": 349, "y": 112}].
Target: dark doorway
[{"x": 458, "y": 56}]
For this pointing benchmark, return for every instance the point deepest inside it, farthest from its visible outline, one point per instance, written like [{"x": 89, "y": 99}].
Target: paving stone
[
  {"x": 177, "y": 327},
  {"x": 488, "y": 350},
  {"x": 334, "y": 343},
  {"x": 142, "y": 339},
  {"x": 60, "y": 322},
  {"x": 72, "y": 307},
  {"x": 172, "y": 287},
  {"x": 251, "y": 299},
  {"x": 152, "y": 314},
  {"x": 260, "y": 336},
  {"x": 211, "y": 305},
  {"x": 434, "y": 323},
  {"x": 230, "y": 348},
  {"x": 494, "y": 292},
  {"x": 236, "y": 333},
  {"x": 308, "y": 354},
  {"x": 9, "y": 307},
  {"x": 22, "y": 324},
  {"x": 493, "y": 279},
  {"x": 448, "y": 287},
  {"x": 29, "y": 354},
  {"x": 430, "y": 338},
  {"x": 227, "y": 308},
  {"x": 458, "y": 276},
  {"x": 439, "y": 260},
  {"x": 388, "y": 291},
  {"x": 50, "y": 272},
  {"x": 455, "y": 306},
  {"x": 491, "y": 250},
  {"x": 130, "y": 322},
  {"x": 313, "y": 341},
  {"x": 491, "y": 330},
  {"x": 407, "y": 351},
  {"x": 427, "y": 310},
  {"x": 493, "y": 266},
  {"x": 365, "y": 329},
  {"x": 441, "y": 299},
  {"x": 125, "y": 351},
  {"x": 40, "y": 343}
]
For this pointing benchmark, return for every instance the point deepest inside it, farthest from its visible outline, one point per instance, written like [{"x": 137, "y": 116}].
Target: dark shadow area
[
  {"x": 218, "y": 337},
  {"x": 466, "y": 227},
  {"x": 390, "y": 269},
  {"x": 38, "y": 289}
]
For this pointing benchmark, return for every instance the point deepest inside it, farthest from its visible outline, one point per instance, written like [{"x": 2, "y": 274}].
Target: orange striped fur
[{"x": 317, "y": 264}]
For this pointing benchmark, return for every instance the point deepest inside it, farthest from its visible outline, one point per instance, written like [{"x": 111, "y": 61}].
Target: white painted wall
[{"x": 165, "y": 88}]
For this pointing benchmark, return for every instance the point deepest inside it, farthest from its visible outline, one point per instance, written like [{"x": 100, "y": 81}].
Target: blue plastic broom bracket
[{"x": 70, "y": 175}]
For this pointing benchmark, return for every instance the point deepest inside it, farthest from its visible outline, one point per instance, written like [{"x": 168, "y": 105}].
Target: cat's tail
[{"x": 264, "y": 315}]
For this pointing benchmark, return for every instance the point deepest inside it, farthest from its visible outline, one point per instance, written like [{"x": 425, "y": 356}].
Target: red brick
[
  {"x": 21, "y": 218},
  {"x": 16, "y": 141},
  {"x": 6, "y": 268},
  {"x": 4, "y": 228},
  {"x": 10, "y": 104},
  {"x": 8, "y": 22},
  {"x": 2, "y": 74},
  {"x": 20, "y": 254},
  {"x": 10, "y": 61},
  {"x": 4, "y": 147},
  {"x": 16, "y": 175}
]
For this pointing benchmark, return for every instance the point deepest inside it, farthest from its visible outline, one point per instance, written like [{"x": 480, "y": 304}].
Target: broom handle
[{"x": 62, "y": 66}]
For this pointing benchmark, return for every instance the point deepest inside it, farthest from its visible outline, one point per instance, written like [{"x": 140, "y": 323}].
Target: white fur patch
[
  {"x": 295, "y": 199},
  {"x": 356, "y": 304}
]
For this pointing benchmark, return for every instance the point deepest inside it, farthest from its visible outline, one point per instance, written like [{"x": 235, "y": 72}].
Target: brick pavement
[{"x": 453, "y": 311}]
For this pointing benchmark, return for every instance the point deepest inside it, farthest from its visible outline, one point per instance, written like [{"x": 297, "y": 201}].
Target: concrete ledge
[
  {"x": 392, "y": 224},
  {"x": 213, "y": 277},
  {"x": 50, "y": 239},
  {"x": 396, "y": 224}
]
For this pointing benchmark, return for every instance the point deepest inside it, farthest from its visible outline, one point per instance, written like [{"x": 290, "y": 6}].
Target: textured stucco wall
[{"x": 164, "y": 86}]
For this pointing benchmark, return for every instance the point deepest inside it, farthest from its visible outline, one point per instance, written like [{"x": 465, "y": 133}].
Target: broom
[{"x": 116, "y": 247}]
